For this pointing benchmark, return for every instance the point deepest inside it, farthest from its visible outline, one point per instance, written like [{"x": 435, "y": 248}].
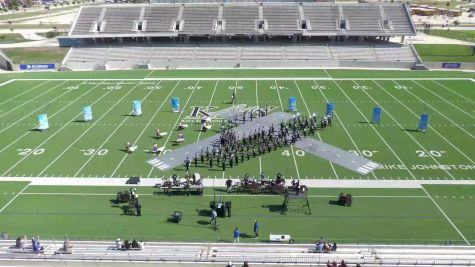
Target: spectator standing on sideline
[
  {"x": 138, "y": 207},
  {"x": 256, "y": 229},
  {"x": 214, "y": 216},
  {"x": 236, "y": 235}
]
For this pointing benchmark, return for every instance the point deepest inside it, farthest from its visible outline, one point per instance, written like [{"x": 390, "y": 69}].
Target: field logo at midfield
[{"x": 198, "y": 112}]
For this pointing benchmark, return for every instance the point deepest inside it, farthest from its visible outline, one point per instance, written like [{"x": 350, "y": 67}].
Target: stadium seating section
[{"x": 321, "y": 19}]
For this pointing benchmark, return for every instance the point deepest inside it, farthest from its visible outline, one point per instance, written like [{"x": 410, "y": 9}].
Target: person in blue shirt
[
  {"x": 236, "y": 235},
  {"x": 256, "y": 229}
]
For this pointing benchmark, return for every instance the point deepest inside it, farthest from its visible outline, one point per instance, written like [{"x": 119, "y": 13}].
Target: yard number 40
[{"x": 299, "y": 153}]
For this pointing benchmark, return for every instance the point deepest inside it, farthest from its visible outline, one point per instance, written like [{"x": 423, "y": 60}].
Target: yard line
[
  {"x": 235, "y": 91},
  {"x": 145, "y": 128},
  {"x": 436, "y": 110},
  {"x": 207, "y": 108},
  {"x": 176, "y": 122},
  {"x": 437, "y": 132},
  {"x": 447, "y": 217},
  {"x": 87, "y": 130},
  {"x": 412, "y": 137},
  {"x": 445, "y": 100},
  {"x": 11, "y": 200},
  {"x": 257, "y": 103},
  {"x": 64, "y": 107},
  {"x": 326, "y": 71},
  {"x": 251, "y": 79},
  {"x": 462, "y": 96},
  {"x": 374, "y": 129},
  {"x": 318, "y": 134},
  {"x": 344, "y": 128},
  {"x": 291, "y": 146},
  {"x": 34, "y": 87},
  {"x": 112, "y": 134},
  {"x": 29, "y": 114},
  {"x": 30, "y": 100},
  {"x": 7, "y": 82},
  {"x": 208, "y": 195}
]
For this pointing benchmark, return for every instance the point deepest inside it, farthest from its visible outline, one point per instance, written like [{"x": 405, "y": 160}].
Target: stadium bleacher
[
  {"x": 381, "y": 255},
  {"x": 238, "y": 34},
  {"x": 241, "y": 18},
  {"x": 130, "y": 56}
]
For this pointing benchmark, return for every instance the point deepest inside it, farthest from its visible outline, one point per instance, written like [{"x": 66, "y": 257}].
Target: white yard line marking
[
  {"x": 447, "y": 217},
  {"x": 207, "y": 107},
  {"x": 13, "y": 199},
  {"x": 206, "y": 195},
  {"x": 327, "y": 73},
  {"x": 176, "y": 122},
  {"x": 145, "y": 128},
  {"x": 7, "y": 82},
  {"x": 34, "y": 87},
  {"x": 436, "y": 110},
  {"x": 416, "y": 115},
  {"x": 462, "y": 96},
  {"x": 74, "y": 194},
  {"x": 42, "y": 143},
  {"x": 318, "y": 134},
  {"x": 445, "y": 100},
  {"x": 343, "y": 125},
  {"x": 64, "y": 107},
  {"x": 38, "y": 96},
  {"x": 374, "y": 129},
  {"x": 29, "y": 114},
  {"x": 257, "y": 103},
  {"x": 251, "y": 79},
  {"x": 410, "y": 136},
  {"x": 291, "y": 146},
  {"x": 85, "y": 132},
  {"x": 112, "y": 134}
]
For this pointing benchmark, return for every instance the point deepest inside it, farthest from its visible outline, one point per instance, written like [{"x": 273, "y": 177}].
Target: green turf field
[
  {"x": 73, "y": 148},
  {"x": 433, "y": 215}
]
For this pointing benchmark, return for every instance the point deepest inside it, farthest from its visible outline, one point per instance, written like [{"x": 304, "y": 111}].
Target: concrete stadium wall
[
  {"x": 200, "y": 64},
  {"x": 5, "y": 62},
  {"x": 41, "y": 263}
]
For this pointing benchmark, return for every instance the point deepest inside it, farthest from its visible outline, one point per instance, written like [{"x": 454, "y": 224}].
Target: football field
[
  {"x": 91, "y": 151},
  {"x": 75, "y": 148}
]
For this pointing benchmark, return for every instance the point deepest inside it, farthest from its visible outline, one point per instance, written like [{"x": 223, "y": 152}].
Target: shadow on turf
[
  {"x": 273, "y": 208},
  {"x": 364, "y": 122},
  {"x": 204, "y": 212},
  {"x": 411, "y": 130}
]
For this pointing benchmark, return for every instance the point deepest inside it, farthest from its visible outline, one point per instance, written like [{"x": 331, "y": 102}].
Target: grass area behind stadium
[{"x": 445, "y": 53}]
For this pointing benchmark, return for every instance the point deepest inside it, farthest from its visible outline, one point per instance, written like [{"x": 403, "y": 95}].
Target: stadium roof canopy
[{"x": 242, "y": 19}]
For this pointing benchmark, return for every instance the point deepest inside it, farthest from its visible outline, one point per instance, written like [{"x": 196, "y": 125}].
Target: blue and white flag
[
  {"x": 330, "y": 108},
  {"x": 137, "y": 108},
  {"x": 175, "y": 104},
  {"x": 376, "y": 115},
  {"x": 43, "y": 121},
  {"x": 87, "y": 113},
  {"x": 424, "y": 122},
  {"x": 292, "y": 103}
]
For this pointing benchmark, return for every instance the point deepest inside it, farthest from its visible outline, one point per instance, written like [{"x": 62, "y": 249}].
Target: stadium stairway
[{"x": 271, "y": 254}]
